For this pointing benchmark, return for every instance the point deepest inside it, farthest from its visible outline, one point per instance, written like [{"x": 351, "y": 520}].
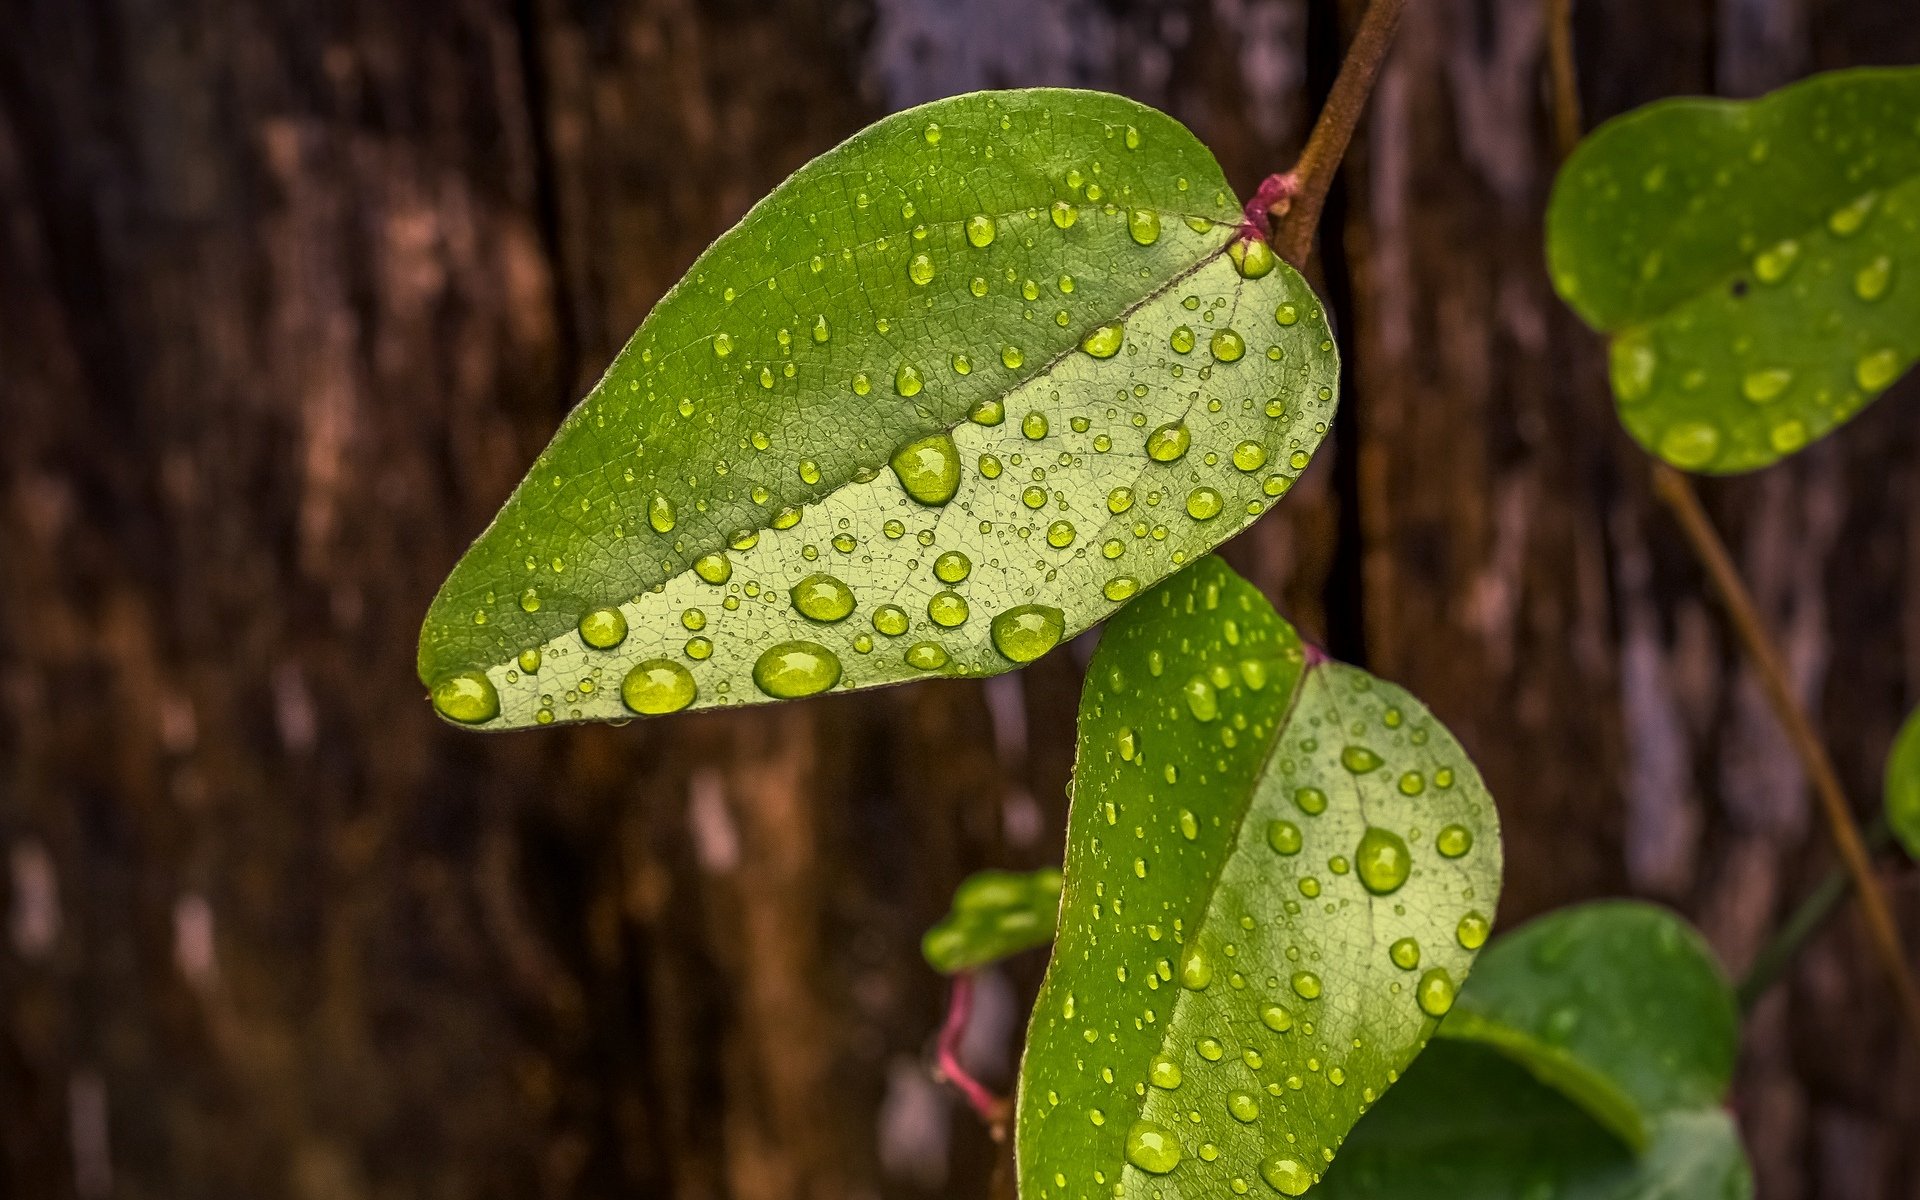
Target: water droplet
[
  {"x": 715, "y": 568},
  {"x": 948, "y": 609},
  {"x": 1060, "y": 534},
  {"x": 1359, "y": 759},
  {"x": 1286, "y": 314},
  {"x": 820, "y": 331},
  {"x": 1382, "y": 861},
  {"x": 980, "y": 230},
  {"x": 1120, "y": 587},
  {"x": 1204, "y": 504},
  {"x": 1690, "y": 444},
  {"x": 1276, "y": 1018},
  {"x": 1105, "y": 340},
  {"x": 530, "y": 601},
  {"x": 890, "y": 619},
  {"x": 926, "y": 656},
  {"x": 529, "y": 661},
  {"x": 929, "y": 469},
  {"x": 1771, "y": 265},
  {"x": 987, "y": 412},
  {"x": 1870, "y": 282},
  {"x": 657, "y": 686},
  {"x": 1311, "y": 800},
  {"x": 1169, "y": 442},
  {"x": 1243, "y": 1107},
  {"x": 1252, "y": 256},
  {"x": 722, "y": 345},
  {"x": 1210, "y": 1049},
  {"x": 809, "y": 471},
  {"x": 1405, "y": 954},
  {"x": 1846, "y": 221},
  {"x": 1286, "y": 1176},
  {"x": 1472, "y": 931},
  {"x": 1227, "y": 346},
  {"x": 1453, "y": 841},
  {"x": 1119, "y": 500},
  {"x": 920, "y": 270},
  {"x": 1027, "y": 632},
  {"x": 1143, "y": 224},
  {"x": 906, "y": 381},
  {"x": 932, "y": 133},
  {"x": 1435, "y": 992},
  {"x": 952, "y": 567},
  {"x": 1284, "y": 837},
  {"x": 1632, "y": 361},
  {"x": 1306, "y": 985},
  {"x": 1202, "y": 701},
  {"x": 1011, "y": 358},
  {"x": 1764, "y": 385},
  {"x": 821, "y": 597},
  {"x": 790, "y": 670},
  {"x": 1152, "y": 1148},
  {"x": 603, "y": 628},
  {"x": 467, "y": 697},
  {"x": 1875, "y": 371},
  {"x": 1034, "y": 425},
  {"x": 1164, "y": 1073},
  {"x": 660, "y": 514},
  {"x": 1249, "y": 456},
  {"x": 1063, "y": 214}
]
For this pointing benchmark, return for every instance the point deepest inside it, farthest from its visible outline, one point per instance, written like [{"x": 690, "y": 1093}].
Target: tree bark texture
[{"x": 291, "y": 294}]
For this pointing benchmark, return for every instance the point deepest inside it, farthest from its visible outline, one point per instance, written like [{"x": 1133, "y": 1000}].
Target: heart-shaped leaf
[
  {"x": 1586, "y": 1059},
  {"x": 1757, "y": 263},
  {"x": 951, "y": 394},
  {"x": 1903, "y": 785},
  {"x": 996, "y": 915},
  {"x": 1278, "y": 872}
]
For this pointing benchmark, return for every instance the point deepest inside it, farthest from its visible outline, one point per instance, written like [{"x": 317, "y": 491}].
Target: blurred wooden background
[{"x": 291, "y": 293}]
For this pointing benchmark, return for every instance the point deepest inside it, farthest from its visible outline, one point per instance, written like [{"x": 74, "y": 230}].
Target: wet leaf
[
  {"x": 1278, "y": 869},
  {"x": 1903, "y": 786},
  {"x": 951, "y": 394},
  {"x": 1757, "y": 263},
  {"x": 1585, "y": 1060},
  {"x": 996, "y": 914}
]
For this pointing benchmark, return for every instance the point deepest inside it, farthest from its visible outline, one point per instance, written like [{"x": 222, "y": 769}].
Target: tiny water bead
[
  {"x": 1306, "y": 985},
  {"x": 1164, "y": 1073},
  {"x": 1227, "y": 346},
  {"x": 890, "y": 619},
  {"x": 926, "y": 656},
  {"x": 467, "y": 697},
  {"x": 1204, "y": 504},
  {"x": 1063, "y": 214},
  {"x": 1249, "y": 456},
  {"x": 660, "y": 514},
  {"x": 1152, "y": 1149},
  {"x": 920, "y": 270},
  {"x": 947, "y": 609},
  {"x": 1143, "y": 226},
  {"x": 929, "y": 469},
  {"x": 603, "y": 628},
  {"x": 1025, "y": 633},
  {"x": 1405, "y": 954},
  {"x": 952, "y": 567},
  {"x": 1284, "y": 837},
  {"x": 1472, "y": 931},
  {"x": 657, "y": 686},
  {"x": 1359, "y": 759},
  {"x": 1310, "y": 800},
  {"x": 1196, "y": 971},
  {"x": 1252, "y": 257},
  {"x": 1243, "y": 1107},
  {"x": 1120, "y": 587},
  {"x": 790, "y": 670},
  {"x": 907, "y": 381},
  {"x": 1182, "y": 340},
  {"x": 822, "y": 597},
  {"x": 1276, "y": 1018},
  {"x": 1034, "y": 426},
  {"x": 529, "y": 661},
  {"x": 1382, "y": 861}
]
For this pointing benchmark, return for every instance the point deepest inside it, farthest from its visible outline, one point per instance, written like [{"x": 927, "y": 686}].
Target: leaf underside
[
  {"x": 995, "y": 915},
  {"x": 1757, "y": 263},
  {"x": 1586, "y": 1059},
  {"x": 1224, "y": 998},
  {"x": 1903, "y": 786},
  {"x": 897, "y": 423}
]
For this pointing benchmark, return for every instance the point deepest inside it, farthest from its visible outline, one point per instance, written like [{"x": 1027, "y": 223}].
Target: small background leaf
[
  {"x": 1903, "y": 785},
  {"x": 1758, "y": 263},
  {"x": 945, "y": 398},
  {"x": 1586, "y": 1058},
  {"x": 1224, "y": 998},
  {"x": 996, "y": 914}
]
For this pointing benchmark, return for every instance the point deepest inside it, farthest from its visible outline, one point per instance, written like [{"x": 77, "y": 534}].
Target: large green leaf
[
  {"x": 996, "y": 914},
  {"x": 1758, "y": 263},
  {"x": 1586, "y": 1060},
  {"x": 1903, "y": 785},
  {"x": 1278, "y": 872},
  {"x": 948, "y": 396}
]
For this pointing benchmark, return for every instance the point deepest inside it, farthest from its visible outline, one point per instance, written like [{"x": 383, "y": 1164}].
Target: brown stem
[
  {"x": 1677, "y": 492},
  {"x": 1566, "y": 89},
  {"x": 1299, "y": 214}
]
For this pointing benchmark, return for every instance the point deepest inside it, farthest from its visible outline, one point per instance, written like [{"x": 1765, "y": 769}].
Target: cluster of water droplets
[
  {"x": 1047, "y": 475},
  {"x": 1277, "y": 896}
]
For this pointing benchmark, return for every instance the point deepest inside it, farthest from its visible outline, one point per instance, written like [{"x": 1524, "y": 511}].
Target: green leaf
[
  {"x": 1257, "y": 932},
  {"x": 1903, "y": 785},
  {"x": 947, "y": 397},
  {"x": 996, "y": 915},
  {"x": 1757, "y": 263},
  {"x": 1468, "y": 1124},
  {"x": 1585, "y": 1060}
]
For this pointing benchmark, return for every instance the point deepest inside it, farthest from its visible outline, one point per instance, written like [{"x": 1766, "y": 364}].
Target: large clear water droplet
[
  {"x": 1027, "y": 632},
  {"x": 790, "y": 670},
  {"x": 929, "y": 469},
  {"x": 657, "y": 686},
  {"x": 467, "y": 697}
]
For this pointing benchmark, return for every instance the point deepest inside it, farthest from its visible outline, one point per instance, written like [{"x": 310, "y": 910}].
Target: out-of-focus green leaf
[
  {"x": 1468, "y": 1123},
  {"x": 1585, "y": 1060},
  {"x": 1903, "y": 785},
  {"x": 1278, "y": 872},
  {"x": 1757, "y": 263},
  {"x": 996, "y": 914},
  {"x": 949, "y": 395}
]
